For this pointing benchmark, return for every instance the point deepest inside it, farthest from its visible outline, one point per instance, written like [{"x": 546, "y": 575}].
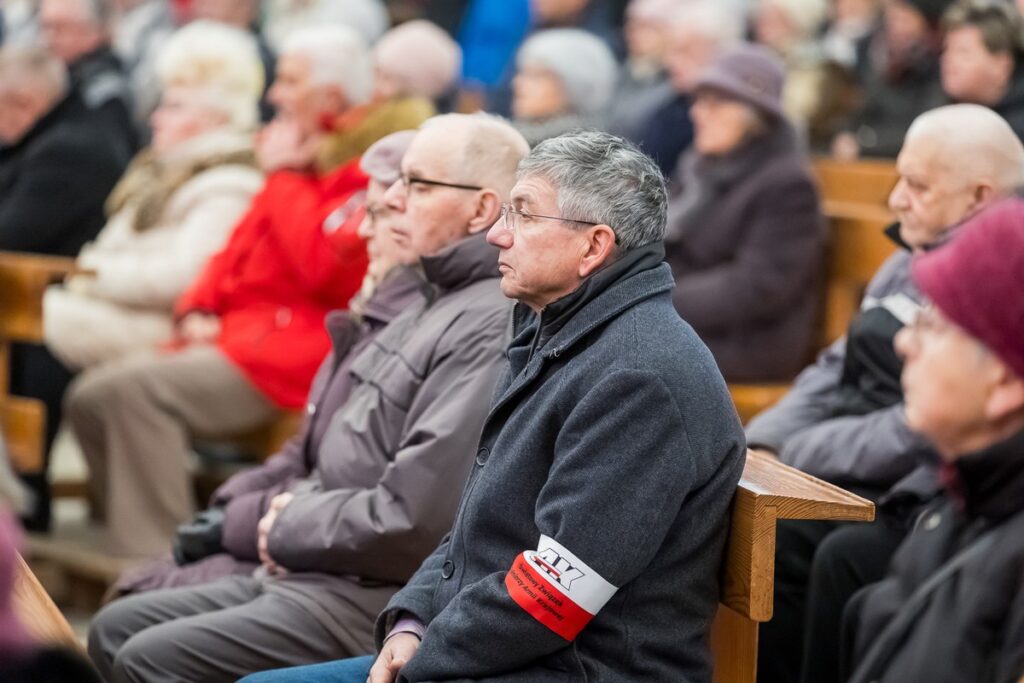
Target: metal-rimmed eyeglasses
[
  {"x": 511, "y": 218},
  {"x": 409, "y": 180}
]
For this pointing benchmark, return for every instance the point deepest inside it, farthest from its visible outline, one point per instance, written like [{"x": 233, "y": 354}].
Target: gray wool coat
[{"x": 612, "y": 450}]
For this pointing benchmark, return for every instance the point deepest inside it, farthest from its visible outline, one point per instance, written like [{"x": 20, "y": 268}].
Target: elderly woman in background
[
  {"x": 417, "y": 59},
  {"x": 564, "y": 80},
  {"x": 174, "y": 207},
  {"x": 745, "y": 236}
]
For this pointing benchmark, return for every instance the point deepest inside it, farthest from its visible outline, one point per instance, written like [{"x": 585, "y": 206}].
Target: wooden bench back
[
  {"x": 23, "y": 279},
  {"x": 768, "y": 491},
  {"x": 867, "y": 182}
]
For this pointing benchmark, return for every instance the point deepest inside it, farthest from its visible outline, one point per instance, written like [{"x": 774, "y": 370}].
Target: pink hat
[{"x": 977, "y": 280}]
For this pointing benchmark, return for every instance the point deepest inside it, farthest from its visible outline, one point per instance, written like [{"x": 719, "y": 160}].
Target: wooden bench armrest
[
  {"x": 23, "y": 279},
  {"x": 770, "y": 491},
  {"x": 751, "y": 399}
]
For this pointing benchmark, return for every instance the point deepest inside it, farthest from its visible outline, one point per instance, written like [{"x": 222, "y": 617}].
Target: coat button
[
  {"x": 310, "y": 408},
  {"x": 447, "y": 569},
  {"x": 481, "y": 456}
]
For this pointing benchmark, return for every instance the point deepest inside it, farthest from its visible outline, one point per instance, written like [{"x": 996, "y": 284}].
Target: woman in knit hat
[
  {"x": 564, "y": 80},
  {"x": 952, "y": 607},
  {"x": 745, "y": 236}
]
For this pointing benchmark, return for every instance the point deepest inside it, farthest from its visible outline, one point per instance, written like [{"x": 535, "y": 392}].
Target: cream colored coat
[{"x": 126, "y": 307}]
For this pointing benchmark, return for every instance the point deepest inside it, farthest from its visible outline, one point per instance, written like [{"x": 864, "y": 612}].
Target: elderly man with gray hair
[{"x": 588, "y": 540}]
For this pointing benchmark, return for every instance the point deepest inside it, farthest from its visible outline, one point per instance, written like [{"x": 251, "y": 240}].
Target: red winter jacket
[{"x": 293, "y": 257}]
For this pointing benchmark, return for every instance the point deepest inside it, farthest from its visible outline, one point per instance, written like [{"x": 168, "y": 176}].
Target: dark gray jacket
[
  {"x": 613, "y": 449},
  {"x": 874, "y": 449}
]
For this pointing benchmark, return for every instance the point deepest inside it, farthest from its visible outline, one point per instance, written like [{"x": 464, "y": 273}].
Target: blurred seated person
[
  {"x": 56, "y": 170},
  {"x": 249, "y": 331},
  {"x": 851, "y": 25},
  {"x": 339, "y": 530},
  {"x": 564, "y": 80},
  {"x": 592, "y": 16},
  {"x": 745, "y": 233},
  {"x": 201, "y": 551},
  {"x": 951, "y": 607},
  {"x": 173, "y": 209},
  {"x": 695, "y": 33},
  {"x": 902, "y": 80},
  {"x": 844, "y": 420},
  {"x": 78, "y": 33},
  {"x": 642, "y": 81},
  {"x": 982, "y": 60},
  {"x": 417, "y": 59}
]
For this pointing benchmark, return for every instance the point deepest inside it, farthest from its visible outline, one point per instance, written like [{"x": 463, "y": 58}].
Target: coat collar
[
  {"x": 461, "y": 264},
  {"x": 574, "y": 311},
  {"x": 397, "y": 290},
  {"x": 60, "y": 111},
  {"x": 990, "y": 483}
]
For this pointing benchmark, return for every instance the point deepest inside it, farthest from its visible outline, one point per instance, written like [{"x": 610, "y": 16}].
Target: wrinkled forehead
[
  {"x": 533, "y": 192},
  {"x": 433, "y": 153}
]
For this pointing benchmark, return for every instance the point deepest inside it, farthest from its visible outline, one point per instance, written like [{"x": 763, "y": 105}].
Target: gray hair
[
  {"x": 602, "y": 178},
  {"x": 581, "y": 61},
  {"x": 337, "y": 55},
  {"x": 32, "y": 67},
  {"x": 713, "y": 19}
]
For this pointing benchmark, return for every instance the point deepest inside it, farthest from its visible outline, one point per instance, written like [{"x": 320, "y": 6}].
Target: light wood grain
[
  {"x": 869, "y": 181},
  {"x": 38, "y": 613},
  {"x": 768, "y": 491}
]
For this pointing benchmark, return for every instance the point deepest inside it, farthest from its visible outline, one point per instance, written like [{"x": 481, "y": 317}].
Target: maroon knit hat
[{"x": 977, "y": 280}]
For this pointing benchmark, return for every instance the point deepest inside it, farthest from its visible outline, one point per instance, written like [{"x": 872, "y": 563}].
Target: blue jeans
[{"x": 354, "y": 670}]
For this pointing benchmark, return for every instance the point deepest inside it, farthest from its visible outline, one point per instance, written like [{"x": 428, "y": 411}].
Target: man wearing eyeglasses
[
  {"x": 392, "y": 459},
  {"x": 589, "y": 536}
]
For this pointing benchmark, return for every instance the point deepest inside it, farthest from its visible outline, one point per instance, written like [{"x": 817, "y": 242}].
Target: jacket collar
[
  {"x": 45, "y": 122},
  {"x": 461, "y": 264},
  {"x": 637, "y": 275},
  {"x": 893, "y": 233},
  {"x": 989, "y": 483},
  {"x": 398, "y": 288}
]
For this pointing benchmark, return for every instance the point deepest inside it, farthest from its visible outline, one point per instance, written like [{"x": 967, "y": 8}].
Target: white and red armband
[{"x": 557, "y": 588}]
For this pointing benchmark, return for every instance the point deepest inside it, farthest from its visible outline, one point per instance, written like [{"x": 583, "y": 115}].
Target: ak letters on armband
[{"x": 557, "y": 588}]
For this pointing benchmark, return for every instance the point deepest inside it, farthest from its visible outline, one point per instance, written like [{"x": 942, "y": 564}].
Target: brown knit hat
[{"x": 977, "y": 280}]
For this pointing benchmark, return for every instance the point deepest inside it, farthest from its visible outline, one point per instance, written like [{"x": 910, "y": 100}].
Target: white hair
[
  {"x": 337, "y": 56},
  {"x": 421, "y": 56},
  {"x": 487, "y": 149},
  {"x": 581, "y": 61},
  {"x": 974, "y": 143},
  {"x": 713, "y": 19},
  {"x": 221, "y": 62}
]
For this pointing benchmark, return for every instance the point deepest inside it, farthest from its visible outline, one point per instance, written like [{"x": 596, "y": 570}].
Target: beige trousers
[{"x": 134, "y": 419}]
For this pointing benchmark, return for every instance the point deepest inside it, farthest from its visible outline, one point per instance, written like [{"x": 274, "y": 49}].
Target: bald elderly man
[
  {"x": 844, "y": 419},
  {"x": 337, "y": 542}
]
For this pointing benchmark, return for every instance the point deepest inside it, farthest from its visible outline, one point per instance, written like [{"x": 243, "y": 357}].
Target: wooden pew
[
  {"x": 768, "y": 491},
  {"x": 23, "y": 279},
  {"x": 865, "y": 182},
  {"x": 38, "y": 613}
]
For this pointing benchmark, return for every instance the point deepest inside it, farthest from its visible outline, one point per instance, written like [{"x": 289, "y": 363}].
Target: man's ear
[
  {"x": 485, "y": 211},
  {"x": 1007, "y": 396},
  {"x": 600, "y": 250},
  {"x": 984, "y": 193}
]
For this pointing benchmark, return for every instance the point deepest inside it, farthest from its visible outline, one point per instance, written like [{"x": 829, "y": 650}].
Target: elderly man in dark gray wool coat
[{"x": 590, "y": 533}]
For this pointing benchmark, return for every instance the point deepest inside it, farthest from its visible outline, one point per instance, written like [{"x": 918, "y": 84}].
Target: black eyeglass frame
[{"x": 408, "y": 180}]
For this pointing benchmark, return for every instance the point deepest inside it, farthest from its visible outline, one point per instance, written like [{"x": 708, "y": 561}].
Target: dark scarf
[{"x": 988, "y": 484}]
